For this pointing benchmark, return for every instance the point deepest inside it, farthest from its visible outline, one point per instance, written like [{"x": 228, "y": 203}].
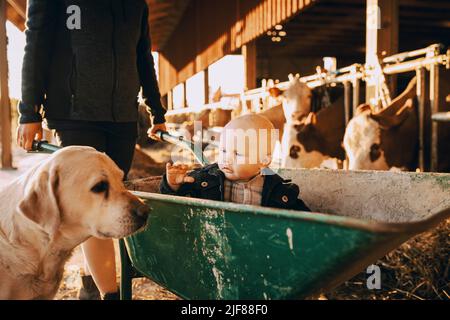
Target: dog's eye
[{"x": 100, "y": 187}]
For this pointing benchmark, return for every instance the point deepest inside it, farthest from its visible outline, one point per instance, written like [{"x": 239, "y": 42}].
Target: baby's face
[{"x": 243, "y": 153}]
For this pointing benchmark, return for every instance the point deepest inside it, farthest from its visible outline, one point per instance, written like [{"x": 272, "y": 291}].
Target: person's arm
[
  {"x": 40, "y": 27},
  {"x": 147, "y": 74}
]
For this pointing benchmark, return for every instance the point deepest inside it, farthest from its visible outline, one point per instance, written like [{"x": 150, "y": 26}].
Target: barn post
[
  {"x": 348, "y": 103},
  {"x": 249, "y": 53},
  {"x": 5, "y": 113},
  {"x": 381, "y": 38},
  {"x": 434, "y": 101},
  {"x": 356, "y": 83},
  {"x": 169, "y": 100},
  {"x": 206, "y": 85},
  {"x": 420, "y": 72},
  {"x": 356, "y": 86},
  {"x": 185, "y": 102}
]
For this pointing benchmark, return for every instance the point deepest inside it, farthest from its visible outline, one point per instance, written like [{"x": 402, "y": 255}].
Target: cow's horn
[
  {"x": 311, "y": 119},
  {"x": 362, "y": 108}
]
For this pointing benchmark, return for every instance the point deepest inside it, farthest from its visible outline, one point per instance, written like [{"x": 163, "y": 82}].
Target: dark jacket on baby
[{"x": 209, "y": 184}]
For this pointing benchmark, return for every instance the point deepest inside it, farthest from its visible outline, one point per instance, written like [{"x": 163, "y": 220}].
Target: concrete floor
[{"x": 22, "y": 161}]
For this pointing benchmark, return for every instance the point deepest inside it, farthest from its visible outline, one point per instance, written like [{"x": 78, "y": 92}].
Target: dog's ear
[{"x": 40, "y": 202}]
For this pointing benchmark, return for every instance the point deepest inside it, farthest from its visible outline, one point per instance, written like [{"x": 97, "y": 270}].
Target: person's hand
[
  {"x": 177, "y": 175},
  {"x": 155, "y": 128},
  {"x": 27, "y": 132}
]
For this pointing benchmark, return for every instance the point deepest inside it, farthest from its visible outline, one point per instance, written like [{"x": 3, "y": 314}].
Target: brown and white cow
[
  {"x": 317, "y": 140},
  {"x": 386, "y": 139},
  {"x": 309, "y": 139},
  {"x": 296, "y": 104}
]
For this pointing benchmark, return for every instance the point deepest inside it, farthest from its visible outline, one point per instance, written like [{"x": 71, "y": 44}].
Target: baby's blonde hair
[{"x": 254, "y": 130}]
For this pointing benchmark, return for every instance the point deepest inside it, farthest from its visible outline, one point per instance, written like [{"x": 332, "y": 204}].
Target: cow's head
[
  {"x": 297, "y": 98},
  {"x": 305, "y": 150},
  {"x": 385, "y": 139},
  {"x": 379, "y": 141}
]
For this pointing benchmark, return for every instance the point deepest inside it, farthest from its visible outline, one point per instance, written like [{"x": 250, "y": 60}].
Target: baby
[{"x": 241, "y": 174}]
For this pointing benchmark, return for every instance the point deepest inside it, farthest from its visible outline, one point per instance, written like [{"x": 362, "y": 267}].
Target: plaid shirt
[
  {"x": 247, "y": 192},
  {"x": 267, "y": 189}
]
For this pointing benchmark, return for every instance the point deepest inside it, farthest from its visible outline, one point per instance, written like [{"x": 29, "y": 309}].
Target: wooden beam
[
  {"x": 381, "y": 36},
  {"x": 20, "y": 6},
  {"x": 434, "y": 104},
  {"x": 206, "y": 85},
  {"x": 5, "y": 108},
  {"x": 249, "y": 53},
  {"x": 388, "y": 36},
  {"x": 185, "y": 103},
  {"x": 421, "y": 97},
  {"x": 169, "y": 100}
]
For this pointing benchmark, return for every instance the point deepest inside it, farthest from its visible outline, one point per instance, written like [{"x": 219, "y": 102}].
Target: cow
[
  {"x": 296, "y": 104},
  {"x": 309, "y": 139},
  {"x": 317, "y": 140},
  {"x": 386, "y": 139}
]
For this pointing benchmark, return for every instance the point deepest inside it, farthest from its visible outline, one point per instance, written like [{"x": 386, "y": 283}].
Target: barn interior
[
  {"x": 275, "y": 39},
  {"x": 338, "y": 29},
  {"x": 268, "y": 40}
]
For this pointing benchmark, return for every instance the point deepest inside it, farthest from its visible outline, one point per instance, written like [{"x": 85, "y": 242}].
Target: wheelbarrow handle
[
  {"x": 44, "y": 146},
  {"x": 185, "y": 144}
]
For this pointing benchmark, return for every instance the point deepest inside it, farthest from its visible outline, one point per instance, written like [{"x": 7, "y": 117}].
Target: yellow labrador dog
[{"x": 75, "y": 194}]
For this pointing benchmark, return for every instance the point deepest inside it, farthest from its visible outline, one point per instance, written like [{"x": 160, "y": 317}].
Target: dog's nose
[{"x": 141, "y": 211}]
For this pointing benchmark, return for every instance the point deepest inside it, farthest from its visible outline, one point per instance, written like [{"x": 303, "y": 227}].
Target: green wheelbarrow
[{"x": 201, "y": 249}]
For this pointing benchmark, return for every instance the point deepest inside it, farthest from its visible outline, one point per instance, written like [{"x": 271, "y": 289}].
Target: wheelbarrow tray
[{"x": 201, "y": 249}]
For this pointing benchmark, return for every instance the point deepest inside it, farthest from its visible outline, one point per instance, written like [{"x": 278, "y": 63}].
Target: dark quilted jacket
[
  {"x": 209, "y": 183},
  {"x": 93, "y": 73}
]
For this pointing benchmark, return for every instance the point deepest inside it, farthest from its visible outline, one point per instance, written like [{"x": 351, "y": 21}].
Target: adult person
[{"x": 84, "y": 64}]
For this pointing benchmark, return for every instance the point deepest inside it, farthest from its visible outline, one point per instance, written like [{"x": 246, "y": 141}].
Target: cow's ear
[
  {"x": 362, "y": 108},
  {"x": 387, "y": 122},
  {"x": 311, "y": 119},
  {"x": 275, "y": 92},
  {"x": 291, "y": 77}
]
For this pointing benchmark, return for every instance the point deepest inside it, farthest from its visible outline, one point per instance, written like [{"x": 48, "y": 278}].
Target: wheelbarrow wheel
[{"x": 126, "y": 273}]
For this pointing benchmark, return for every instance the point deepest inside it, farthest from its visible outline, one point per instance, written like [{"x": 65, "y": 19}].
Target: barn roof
[{"x": 164, "y": 17}]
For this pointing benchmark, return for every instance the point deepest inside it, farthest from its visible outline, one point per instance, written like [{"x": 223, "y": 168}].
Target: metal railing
[
  {"x": 428, "y": 59},
  {"x": 422, "y": 60}
]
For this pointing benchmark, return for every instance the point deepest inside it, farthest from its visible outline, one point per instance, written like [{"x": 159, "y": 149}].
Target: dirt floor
[
  {"x": 143, "y": 289},
  {"x": 419, "y": 269}
]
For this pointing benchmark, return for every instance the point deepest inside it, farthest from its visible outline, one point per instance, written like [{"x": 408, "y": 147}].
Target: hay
[{"x": 419, "y": 269}]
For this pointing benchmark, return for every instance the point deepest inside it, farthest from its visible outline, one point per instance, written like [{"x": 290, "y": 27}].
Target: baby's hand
[{"x": 177, "y": 175}]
